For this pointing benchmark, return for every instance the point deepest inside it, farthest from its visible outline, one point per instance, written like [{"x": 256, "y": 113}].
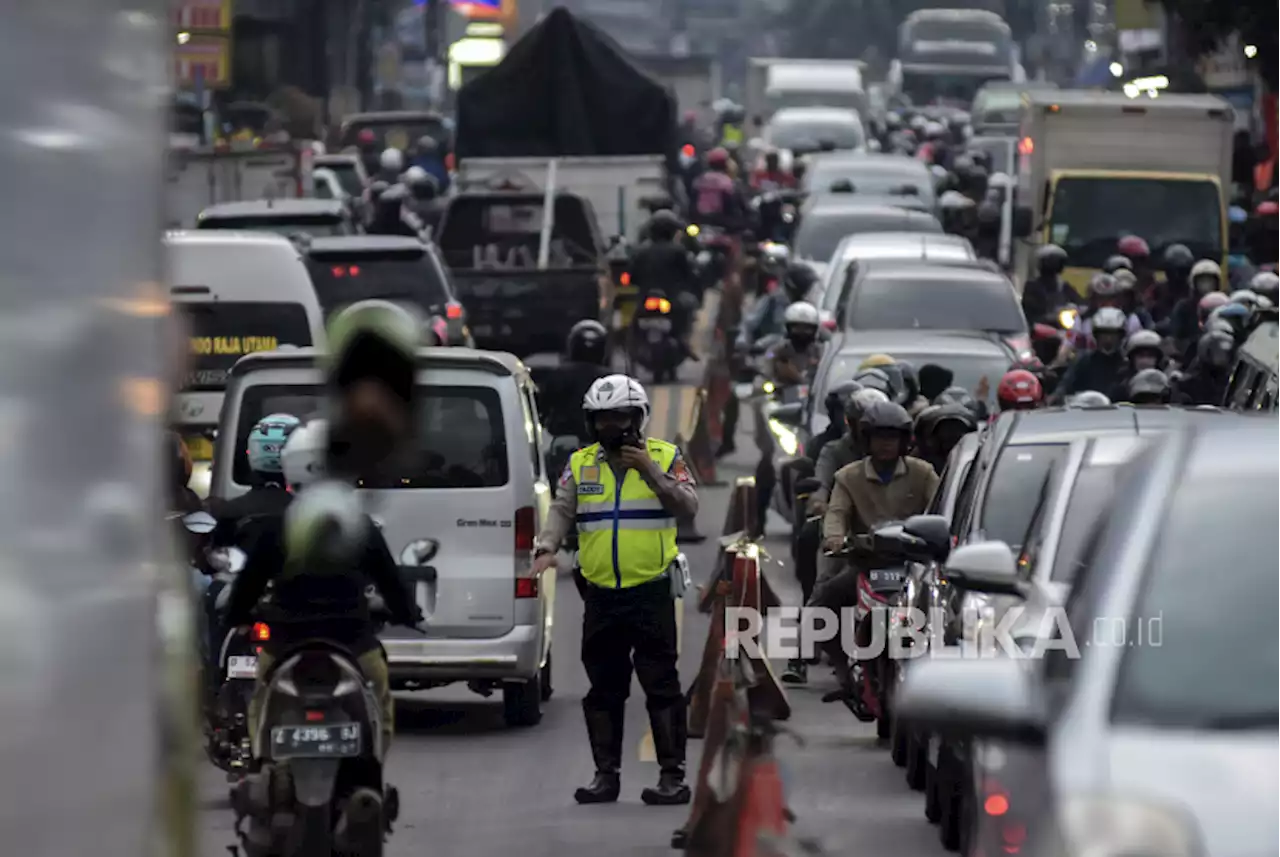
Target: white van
[
  {"x": 239, "y": 292},
  {"x": 476, "y": 488}
]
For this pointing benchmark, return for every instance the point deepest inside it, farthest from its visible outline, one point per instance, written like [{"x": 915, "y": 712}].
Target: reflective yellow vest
[
  {"x": 625, "y": 537},
  {"x": 731, "y": 135}
]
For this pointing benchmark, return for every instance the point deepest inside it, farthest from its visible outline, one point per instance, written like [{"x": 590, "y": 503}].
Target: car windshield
[
  {"x": 809, "y": 134},
  {"x": 348, "y": 176},
  {"x": 461, "y": 442},
  {"x": 820, "y": 231},
  {"x": 221, "y": 332},
  {"x": 901, "y": 303},
  {"x": 865, "y": 180},
  {"x": 925, "y": 87},
  {"x": 1090, "y": 497},
  {"x": 1090, "y": 215},
  {"x": 397, "y": 133},
  {"x": 1013, "y": 490},
  {"x": 1218, "y": 543},
  {"x": 406, "y": 278},
  {"x": 315, "y": 225}
]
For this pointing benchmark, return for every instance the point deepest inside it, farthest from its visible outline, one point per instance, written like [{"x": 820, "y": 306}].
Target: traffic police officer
[{"x": 624, "y": 493}]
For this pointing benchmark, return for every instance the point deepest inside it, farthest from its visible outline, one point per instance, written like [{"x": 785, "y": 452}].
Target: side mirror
[
  {"x": 987, "y": 567},
  {"x": 807, "y": 485},
  {"x": 931, "y": 535},
  {"x": 418, "y": 552},
  {"x": 1022, "y": 219},
  {"x": 791, "y": 414},
  {"x": 200, "y": 523},
  {"x": 984, "y": 697}
]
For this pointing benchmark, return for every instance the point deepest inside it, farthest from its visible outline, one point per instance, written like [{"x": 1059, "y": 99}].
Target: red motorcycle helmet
[
  {"x": 1133, "y": 247},
  {"x": 1209, "y": 303},
  {"x": 1019, "y": 390},
  {"x": 1267, "y": 209},
  {"x": 718, "y": 158}
]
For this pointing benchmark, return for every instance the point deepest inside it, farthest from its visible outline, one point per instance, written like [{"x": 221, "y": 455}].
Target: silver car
[{"x": 1150, "y": 724}]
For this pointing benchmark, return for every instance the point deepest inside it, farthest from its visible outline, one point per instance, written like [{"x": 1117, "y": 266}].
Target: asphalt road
[{"x": 470, "y": 787}]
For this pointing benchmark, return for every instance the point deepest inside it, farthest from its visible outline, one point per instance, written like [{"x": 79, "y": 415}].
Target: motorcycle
[
  {"x": 653, "y": 341},
  {"x": 319, "y": 789},
  {"x": 879, "y": 591},
  {"x": 715, "y": 249},
  {"x": 230, "y": 686}
]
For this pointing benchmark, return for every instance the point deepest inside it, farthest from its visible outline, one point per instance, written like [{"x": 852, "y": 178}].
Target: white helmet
[
  {"x": 1206, "y": 268},
  {"x": 304, "y": 454},
  {"x": 1108, "y": 319},
  {"x": 1247, "y": 297},
  {"x": 801, "y": 312},
  {"x": 415, "y": 174},
  {"x": 391, "y": 160},
  {"x": 617, "y": 393}
]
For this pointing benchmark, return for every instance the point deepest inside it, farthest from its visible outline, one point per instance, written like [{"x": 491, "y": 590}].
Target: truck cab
[{"x": 1096, "y": 166}]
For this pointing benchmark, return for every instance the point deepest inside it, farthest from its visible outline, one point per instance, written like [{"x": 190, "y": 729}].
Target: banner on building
[
  {"x": 202, "y": 15},
  {"x": 207, "y": 57}
]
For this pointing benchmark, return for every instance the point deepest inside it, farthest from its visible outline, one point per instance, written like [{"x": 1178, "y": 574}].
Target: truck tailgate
[{"x": 527, "y": 311}]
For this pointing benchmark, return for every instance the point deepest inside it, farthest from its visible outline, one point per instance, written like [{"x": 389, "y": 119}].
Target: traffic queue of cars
[{"x": 1090, "y": 538}]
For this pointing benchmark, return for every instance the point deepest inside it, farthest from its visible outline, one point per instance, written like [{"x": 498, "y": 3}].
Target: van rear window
[
  {"x": 401, "y": 277},
  {"x": 462, "y": 442},
  {"x": 221, "y": 332}
]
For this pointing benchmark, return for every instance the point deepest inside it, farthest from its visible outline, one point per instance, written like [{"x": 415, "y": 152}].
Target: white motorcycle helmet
[
  {"x": 325, "y": 526},
  {"x": 303, "y": 458},
  {"x": 391, "y": 161},
  {"x": 617, "y": 393},
  {"x": 801, "y": 312}
]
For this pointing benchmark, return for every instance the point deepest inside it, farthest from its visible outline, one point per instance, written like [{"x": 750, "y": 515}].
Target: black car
[{"x": 394, "y": 268}]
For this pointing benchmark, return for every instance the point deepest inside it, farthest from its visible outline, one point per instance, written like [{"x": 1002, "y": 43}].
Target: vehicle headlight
[
  {"x": 1113, "y": 825},
  {"x": 1067, "y": 318},
  {"x": 787, "y": 439}
]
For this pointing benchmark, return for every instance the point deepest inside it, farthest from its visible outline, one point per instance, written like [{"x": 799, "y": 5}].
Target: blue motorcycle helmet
[{"x": 266, "y": 441}]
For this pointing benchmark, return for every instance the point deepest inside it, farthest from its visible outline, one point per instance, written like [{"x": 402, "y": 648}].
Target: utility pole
[{"x": 433, "y": 16}]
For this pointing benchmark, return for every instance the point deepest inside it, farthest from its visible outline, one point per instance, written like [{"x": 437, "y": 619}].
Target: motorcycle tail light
[
  {"x": 260, "y": 632},
  {"x": 315, "y": 716},
  {"x": 659, "y": 305},
  {"x": 625, "y": 279}
]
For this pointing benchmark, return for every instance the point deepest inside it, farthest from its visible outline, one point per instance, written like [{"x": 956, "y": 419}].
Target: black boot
[
  {"x": 670, "y": 733},
  {"x": 604, "y": 729},
  {"x": 797, "y": 672}
]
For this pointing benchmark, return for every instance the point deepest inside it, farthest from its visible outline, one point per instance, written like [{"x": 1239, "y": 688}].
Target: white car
[{"x": 475, "y": 490}]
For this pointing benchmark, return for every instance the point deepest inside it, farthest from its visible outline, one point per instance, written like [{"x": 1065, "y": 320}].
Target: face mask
[
  {"x": 613, "y": 438},
  {"x": 1107, "y": 344},
  {"x": 1144, "y": 361},
  {"x": 801, "y": 340},
  {"x": 1204, "y": 285}
]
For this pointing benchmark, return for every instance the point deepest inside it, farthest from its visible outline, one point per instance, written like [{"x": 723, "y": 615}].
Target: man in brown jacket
[{"x": 886, "y": 485}]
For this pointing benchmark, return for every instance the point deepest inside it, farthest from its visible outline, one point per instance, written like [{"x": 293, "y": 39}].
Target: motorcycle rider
[
  {"x": 267, "y": 494},
  {"x": 390, "y": 215},
  {"x": 1104, "y": 293},
  {"x": 1176, "y": 261},
  {"x": 586, "y": 360},
  {"x": 834, "y": 456},
  {"x": 1148, "y": 387},
  {"x": 1142, "y": 350},
  {"x": 625, "y": 584},
  {"x": 662, "y": 264},
  {"x": 886, "y": 485},
  {"x": 1097, "y": 368},
  {"x": 771, "y": 176},
  {"x": 429, "y": 158},
  {"x": 424, "y": 197},
  {"x": 938, "y": 429},
  {"x": 1046, "y": 294},
  {"x": 182, "y": 500},
  {"x": 1115, "y": 263},
  {"x": 308, "y": 603},
  {"x": 911, "y": 398},
  {"x": 1205, "y": 383},
  {"x": 390, "y": 165},
  {"x": 1019, "y": 390},
  {"x": 1138, "y": 252},
  {"x": 768, "y": 314},
  {"x": 1205, "y": 278},
  {"x": 1266, "y": 284},
  {"x": 717, "y": 199}
]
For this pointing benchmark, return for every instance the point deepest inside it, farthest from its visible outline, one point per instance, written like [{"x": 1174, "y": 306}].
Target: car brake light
[
  {"x": 453, "y": 310},
  {"x": 625, "y": 279},
  {"x": 660, "y": 305},
  {"x": 526, "y": 587},
  {"x": 260, "y": 632},
  {"x": 995, "y": 804},
  {"x": 525, "y": 529},
  {"x": 1026, "y": 146}
]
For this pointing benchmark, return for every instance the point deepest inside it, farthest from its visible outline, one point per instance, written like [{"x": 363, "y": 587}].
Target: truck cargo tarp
[{"x": 564, "y": 89}]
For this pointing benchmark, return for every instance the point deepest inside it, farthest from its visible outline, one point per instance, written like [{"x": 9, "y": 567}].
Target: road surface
[{"x": 470, "y": 787}]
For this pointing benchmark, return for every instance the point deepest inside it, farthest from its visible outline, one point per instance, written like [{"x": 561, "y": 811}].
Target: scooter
[
  {"x": 320, "y": 788},
  {"x": 653, "y": 341}
]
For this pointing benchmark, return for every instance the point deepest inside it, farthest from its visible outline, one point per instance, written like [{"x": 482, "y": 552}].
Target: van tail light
[
  {"x": 526, "y": 531},
  {"x": 453, "y": 309}
]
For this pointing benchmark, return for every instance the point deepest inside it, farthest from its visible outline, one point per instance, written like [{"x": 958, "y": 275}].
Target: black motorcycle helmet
[
  {"x": 882, "y": 417},
  {"x": 663, "y": 225},
  {"x": 924, "y": 427},
  {"x": 1215, "y": 349},
  {"x": 1177, "y": 260},
  {"x": 1149, "y": 387},
  {"x": 950, "y": 423},
  {"x": 1051, "y": 260},
  {"x": 588, "y": 342},
  {"x": 876, "y": 379},
  {"x": 958, "y": 396},
  {"x": 799, "y": 281},
  {"x": 837, "y": 398},
  {"x": 1115, "y": 263}
]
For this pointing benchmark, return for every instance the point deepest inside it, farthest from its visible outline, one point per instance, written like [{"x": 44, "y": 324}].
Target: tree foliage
[{"x": 1206, "y": 23}]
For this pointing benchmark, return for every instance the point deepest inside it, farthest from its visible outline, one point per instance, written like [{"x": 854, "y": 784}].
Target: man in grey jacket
[{"x": 834, "y": 456}]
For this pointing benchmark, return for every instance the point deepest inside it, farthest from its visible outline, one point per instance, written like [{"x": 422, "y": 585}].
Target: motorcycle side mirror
[
  {"x": 1022, "y": 218},
  {"x": 926, "y": 537},
  {"x": 200, "y": 523},
  {"x": 790, "y": 414},
  {"x": 808, "y": 485}
]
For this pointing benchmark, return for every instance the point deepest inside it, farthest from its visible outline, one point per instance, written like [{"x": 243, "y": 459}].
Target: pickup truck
[{"x": 491, "y": 243}]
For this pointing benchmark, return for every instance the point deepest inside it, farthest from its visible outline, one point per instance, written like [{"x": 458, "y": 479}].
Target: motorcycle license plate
[
  {"x": 242, "y": 666},
  {"x": 330, "y": 741},
  {"x": 655, "y": 325}
]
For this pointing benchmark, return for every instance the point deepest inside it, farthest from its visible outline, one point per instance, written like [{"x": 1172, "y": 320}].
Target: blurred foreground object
[{"x": 96, "y": 695}]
